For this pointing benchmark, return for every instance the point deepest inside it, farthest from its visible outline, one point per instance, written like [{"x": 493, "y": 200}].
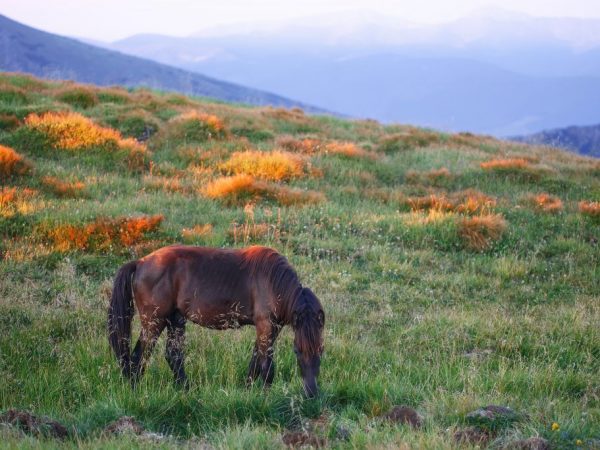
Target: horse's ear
[{"x": 321, "y": 317}]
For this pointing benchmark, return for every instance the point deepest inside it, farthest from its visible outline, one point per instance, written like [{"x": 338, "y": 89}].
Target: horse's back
[{"x": 198, "y": 281}]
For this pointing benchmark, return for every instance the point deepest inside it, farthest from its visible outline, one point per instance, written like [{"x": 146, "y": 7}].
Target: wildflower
[
  {"x": 555, "y": 426},
  {"x": 578, "y": 442}
]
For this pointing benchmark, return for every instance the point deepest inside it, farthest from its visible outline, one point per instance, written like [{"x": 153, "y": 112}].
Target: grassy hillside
[
  {"x": 26, "y": 49},
  {"x": 456, "y": 271}
]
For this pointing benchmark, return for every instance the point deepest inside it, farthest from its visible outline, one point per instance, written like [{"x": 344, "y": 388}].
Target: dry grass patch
[
  {"x": 309, "y": 146},
  {"x": 589, "y": 208},
  {"x": 196, "y": 126},
  {"x": 162, "y": 183},
  {"x": 11, "y": 163},
  {"x": 243, "y": 188},
  {"x": 432, "y": 176},
  {"x": 348, "y": 149},
  {"x": 480, "y": 232},
  {"x": 545, "y": 203},
  {"x": 197, "y": 231},
  {"x": 469, "y": 201},
  {"x": 64, "y": 188},
  {"x": 103, "y": 233},
  {"x": 249, "y": 232},
  {"x": 275, "y": 166}
]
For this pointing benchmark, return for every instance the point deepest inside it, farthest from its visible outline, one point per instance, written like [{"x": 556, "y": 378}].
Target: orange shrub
[
  {"x": 71, "y": 131},
  {"x": 191, "y": 234},
  {"x": 433, "y": 201},
  {"x": 306, "y": 145},
  {"x": 348, "y": 149},
  {"x": 11, "y": 163},
  {"x": 432, "y": 176},
  {"x": 275, "y": 165},
  {"x": 590, "y": 208},
  {"x": 63, "y": 188},
  {"x": 243, "y": 188},
  {"x": 197, "y": 126},
  {"x": 546, "y": 203},
  {"x": 7, "y": 195},
  {"x": 479, "y": 232},
  {"x": 471, "y": 201},
  {"x": 503, "y": 165},
  {"x": 103, "y": 233}
]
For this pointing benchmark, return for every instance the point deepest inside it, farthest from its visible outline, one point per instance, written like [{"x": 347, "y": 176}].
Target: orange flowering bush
[
  {"x": 11, "y": 163},
  {"x": 503, "y": 165},
  {"x": 103, "y": 233},
  {"x": 275, "y": 165}
]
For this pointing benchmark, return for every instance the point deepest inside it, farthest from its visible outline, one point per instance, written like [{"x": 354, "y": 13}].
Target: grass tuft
[
  {"x": 589, "y": 208},
  {"x": 545, "y": 203},
  {"x": 480, "y": 232},
  {"x": 274, "y": 166},
  {"x": 65, "y": 189}
]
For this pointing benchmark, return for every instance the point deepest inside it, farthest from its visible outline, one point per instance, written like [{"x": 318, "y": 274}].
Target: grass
[{"x": 447, "y": 285}]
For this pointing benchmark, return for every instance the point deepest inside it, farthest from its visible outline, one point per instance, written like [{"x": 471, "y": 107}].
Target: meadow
[{"x": 456, "y": 271}]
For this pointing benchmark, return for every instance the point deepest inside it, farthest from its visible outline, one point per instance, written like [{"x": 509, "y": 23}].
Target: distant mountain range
[
  {"x": 584, "y": 140},
  {"x": 497, "y": 73},
  {"x": 26, "y": 49}
]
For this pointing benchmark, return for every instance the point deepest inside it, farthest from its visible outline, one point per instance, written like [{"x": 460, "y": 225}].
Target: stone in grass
[
  {"x": 493, "y": 417},
  {"x": 128, "y": 425},
  {"x": 533, "y": 443},
  {"x": 124, "y": 425},
  {"x": 405, "y": 415},
  {"x": 472, "y": 436},
  {"x": 297, "y": 439},
  {"x": 28, "y": 423}
]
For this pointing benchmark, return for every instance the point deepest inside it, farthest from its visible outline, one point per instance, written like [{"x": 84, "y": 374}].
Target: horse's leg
[
  {"x": 174, "y": 350},
  {"x": 151, "y": 329},
  {"x": 254, "y": 368},
  {"x": 266, "y": 333}
]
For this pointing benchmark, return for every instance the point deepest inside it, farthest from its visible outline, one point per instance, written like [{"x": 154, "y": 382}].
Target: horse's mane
[
  {"x": 286, "y": 286},
  {"x": 275, "y": 268}
]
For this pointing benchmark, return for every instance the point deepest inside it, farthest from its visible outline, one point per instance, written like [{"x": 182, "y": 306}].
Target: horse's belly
[{"x": 221, "y": 315}]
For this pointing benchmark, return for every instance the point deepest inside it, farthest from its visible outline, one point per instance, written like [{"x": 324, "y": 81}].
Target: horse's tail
[{"x": 120, "y": 314}]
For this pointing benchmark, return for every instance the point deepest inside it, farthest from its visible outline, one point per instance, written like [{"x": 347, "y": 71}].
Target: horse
[{"x": 218, "y": 289}]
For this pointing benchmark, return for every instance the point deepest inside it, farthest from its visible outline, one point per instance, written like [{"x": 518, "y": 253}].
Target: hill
[
  {"x": 497, "y": 74},
  {"x": 25, "y": 49},
  {"x": 584, "y": 140},
  {"x": 455, "y": 270}
]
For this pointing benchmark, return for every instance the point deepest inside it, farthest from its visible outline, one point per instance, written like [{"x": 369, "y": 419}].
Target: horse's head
[{"x": 308, "y": 320}]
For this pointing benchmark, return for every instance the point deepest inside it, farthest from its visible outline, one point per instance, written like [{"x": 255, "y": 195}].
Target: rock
[
  {"x": 472, "y": 435},
  {"x": 28, "y": 423},
  {"x": 296, "y": 439},
  {"x": 125, "y": 424},
  {"x": 533, "y": 443},
  {"x": 493, "y": 417},
  {"x": 404, "y": 414}
]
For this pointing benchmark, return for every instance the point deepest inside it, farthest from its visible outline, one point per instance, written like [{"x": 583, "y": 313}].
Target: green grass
[{"x": 413, "y": 316}]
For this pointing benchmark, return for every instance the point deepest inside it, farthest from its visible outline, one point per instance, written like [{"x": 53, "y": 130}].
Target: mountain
[
  {"x": 25, "y": 49},
  {"x": 454, "y": 76},
  {"x": 583, "y": 140}
]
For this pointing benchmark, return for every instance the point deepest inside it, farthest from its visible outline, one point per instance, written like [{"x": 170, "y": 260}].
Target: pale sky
[{"x": 109, "y": 20}]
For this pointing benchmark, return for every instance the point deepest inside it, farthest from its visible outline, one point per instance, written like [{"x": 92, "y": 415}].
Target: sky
[{"x": 109, "y": 20}]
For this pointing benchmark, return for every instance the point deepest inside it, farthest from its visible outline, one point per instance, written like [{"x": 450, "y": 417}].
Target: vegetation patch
[
  {"x": 545, "y": 203},
  {"x": 275, "y": 166},
  {"x": 73, "y": 189},
  {"x": 590, "y": 208},
  {"x": 243, "y": 188},
  {"x": 79, "y": 97},
  {"x": 194, "y": 126},
  {"x": 480, "y": 232},
  {"x": 11, "y": 163},
  {"x": 103, "y": 233}
]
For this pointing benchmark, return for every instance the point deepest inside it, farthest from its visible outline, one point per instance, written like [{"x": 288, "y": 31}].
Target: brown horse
[{"x": 220, "y": 289}]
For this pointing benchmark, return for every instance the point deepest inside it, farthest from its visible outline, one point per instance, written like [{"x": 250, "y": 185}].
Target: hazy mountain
[
  {"x": 504, "y": 75},
  {"x": 25, "y": 49},
  {"x": 584, "y": 140}
]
